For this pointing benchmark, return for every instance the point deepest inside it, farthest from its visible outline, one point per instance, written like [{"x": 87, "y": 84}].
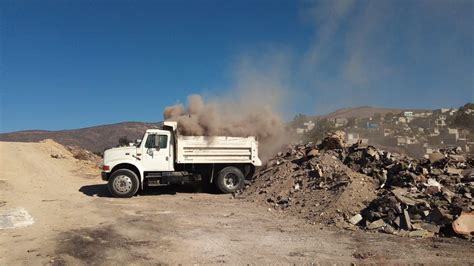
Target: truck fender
[{"x": 131, "y": 163}]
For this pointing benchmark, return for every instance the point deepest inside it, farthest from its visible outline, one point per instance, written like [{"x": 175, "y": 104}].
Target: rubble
[
  {"x": 464, "y": 224},
  {"x": 356, "y": 219},
  {"x": 312, "y": 184},
  {"x": 334, "y": 141},
  {"x": 57, "y": 156},
  {"x": 369, "y": 188}
]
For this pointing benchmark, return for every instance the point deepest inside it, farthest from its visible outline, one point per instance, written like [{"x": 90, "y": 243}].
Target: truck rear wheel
[
  {"x": 230, "y": 179},
  {"x": 123, "y": 183}
]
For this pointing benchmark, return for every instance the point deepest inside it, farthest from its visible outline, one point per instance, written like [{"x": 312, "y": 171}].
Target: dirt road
[{"x": 69, "y": 218}]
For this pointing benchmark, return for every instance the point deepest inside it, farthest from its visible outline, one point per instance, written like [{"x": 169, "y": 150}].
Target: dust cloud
[{"x": 241, "y": 116}]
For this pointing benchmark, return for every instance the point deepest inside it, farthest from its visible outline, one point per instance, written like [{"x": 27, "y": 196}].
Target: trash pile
[{"x": 366, "y": 188}]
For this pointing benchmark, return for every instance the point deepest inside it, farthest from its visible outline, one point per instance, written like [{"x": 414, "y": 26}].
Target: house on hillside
[
  {"x": 387, "y": 132},
  {"x": 440, "y": 121},
  {"x": 372, "y": 125},
  {"x": 340, "y": 122},
  {"x": 444, "y": 110},
  {"x": 352, "y": 138},
  {"x": 453, "y": 111},
  {"x": 401, "y": 120},
  {"x": 454, "y": 132},
  {"x": 307, "y": 126},
  {"x": 406, "y": 140},
  {"x": 422, "y": 114}
]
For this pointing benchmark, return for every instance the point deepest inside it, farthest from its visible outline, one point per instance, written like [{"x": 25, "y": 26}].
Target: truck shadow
[{"x": 101, "y": 190}]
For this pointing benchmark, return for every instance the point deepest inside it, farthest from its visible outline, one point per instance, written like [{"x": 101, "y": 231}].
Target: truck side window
[
  {"x": 150, "y": 141},
  {"x": 163, "y": 139}
]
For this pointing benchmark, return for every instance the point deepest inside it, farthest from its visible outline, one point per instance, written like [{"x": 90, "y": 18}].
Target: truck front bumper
[{"x": 105, "y": 176}]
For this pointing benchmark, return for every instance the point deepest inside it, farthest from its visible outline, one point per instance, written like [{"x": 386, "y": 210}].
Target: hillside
[
  {"x": 95, "y": 139},
  {"x": 363, "y": 112}
]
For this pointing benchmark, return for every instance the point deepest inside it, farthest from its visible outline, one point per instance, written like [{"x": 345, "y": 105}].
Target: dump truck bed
[{"x": 217, "y": 149}]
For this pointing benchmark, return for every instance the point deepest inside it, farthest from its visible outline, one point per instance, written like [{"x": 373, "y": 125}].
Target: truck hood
[{"x": 120, "y": 153}]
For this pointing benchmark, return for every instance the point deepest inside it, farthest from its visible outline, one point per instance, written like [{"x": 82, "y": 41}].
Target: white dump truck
[{"x": 164, "y": 157}]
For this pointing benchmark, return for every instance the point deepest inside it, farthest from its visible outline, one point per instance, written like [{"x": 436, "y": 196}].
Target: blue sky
[{"x": 69, "y": 64}]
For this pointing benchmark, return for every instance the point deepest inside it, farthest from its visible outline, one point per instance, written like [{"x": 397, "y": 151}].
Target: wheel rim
[
  {"x": 231, "y": 181},
  {"x": 122, "y": 184}
]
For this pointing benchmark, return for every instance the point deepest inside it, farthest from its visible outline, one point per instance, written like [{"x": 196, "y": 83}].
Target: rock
[
  {"x": 388, "y": 229},
  {"x": 448, "y": 194},
  {"x": 420, "y": 233},
  {"x": 425, "y": 171},
  {"x": 297, "y": 186},
  {"x": 436, "y": 172},
  {"x": 458, "y": 158},
  {"x": 432, "y": 186},
  {"x": 376, "y": 224},
  {"x": 464, "y": 224},
  {"x": 453, "y": 171},
  {"x": 399, "y": 194},
  {"x": 432, "y": 182},
  {"x": 397, "y": 222},
  {"x": 439, "y": 217},
  {"x": 468, "y": 173},
  {"x": 282, "y": 200},
  {"x": 312, "y": 153},
  {"x": 430, "y": 227},
  {"x": 356, "y": 219},
  {"x": 436, "y": 156},
  {"x": 372, "y": 152},
  {"x": 431, "y": 190},
  {"x": 382, "y": 176},
  {"x": 334, "y": 141},
  {"x": 405, "y": 221}
]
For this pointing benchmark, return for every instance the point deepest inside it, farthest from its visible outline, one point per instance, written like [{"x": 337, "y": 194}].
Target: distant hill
[
  {"x": 94, "y": 139},
  {"x": 98, "y": 138},
  {"x": 363, "y": 112}
]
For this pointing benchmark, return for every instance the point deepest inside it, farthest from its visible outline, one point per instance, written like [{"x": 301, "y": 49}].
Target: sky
[{"x": 69, "y": 64}]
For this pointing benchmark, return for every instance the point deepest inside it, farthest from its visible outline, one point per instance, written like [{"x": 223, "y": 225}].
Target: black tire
[
  {"x": 127, "y": 180},
  {"x": 230, "y": 179},
  {"x": 249, "y": 171}
]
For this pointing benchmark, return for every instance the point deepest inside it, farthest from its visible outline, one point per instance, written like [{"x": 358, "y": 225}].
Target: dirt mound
[
  {"x": 86, "y": 160},
  {"x": 313, "y": 186}
]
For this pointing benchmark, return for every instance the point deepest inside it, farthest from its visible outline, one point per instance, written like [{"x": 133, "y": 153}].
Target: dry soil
[{"x": 76, "y": 222}]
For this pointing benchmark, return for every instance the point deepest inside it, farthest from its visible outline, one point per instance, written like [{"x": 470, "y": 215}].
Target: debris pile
[
  {"x": 312, "y": 184},
  {"x": 363, "y": 187},
  {"x": 416, "y": 197}
]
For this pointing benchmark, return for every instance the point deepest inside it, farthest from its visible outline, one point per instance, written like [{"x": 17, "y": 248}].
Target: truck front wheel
[
  {"x": 230, "y": 179},
  {"x": 123, "y": 183}
]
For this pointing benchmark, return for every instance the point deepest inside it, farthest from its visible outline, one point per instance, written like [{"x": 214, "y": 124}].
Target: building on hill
[
  {"x": 372, "y": 125},
  {"x": 307, "y": 126},
  {"x": 441, "y": 121},
  {"x": 340, "y": 122}
]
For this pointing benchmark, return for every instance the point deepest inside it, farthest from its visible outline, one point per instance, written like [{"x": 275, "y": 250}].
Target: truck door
[{"x": 156, "y": 152}]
